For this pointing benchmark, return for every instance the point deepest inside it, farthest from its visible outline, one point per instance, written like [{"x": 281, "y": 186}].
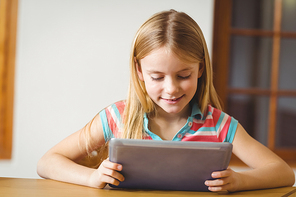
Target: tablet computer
[{"x": 168, "y": 165}]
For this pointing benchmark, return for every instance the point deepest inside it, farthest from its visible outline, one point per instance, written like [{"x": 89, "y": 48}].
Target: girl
[{"x": 171, "y": 97}]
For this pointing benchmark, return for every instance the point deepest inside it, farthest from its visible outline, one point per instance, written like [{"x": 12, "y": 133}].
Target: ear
[
  {"x": 139, "y": 70},
  {"x": 201, "y": 68}
]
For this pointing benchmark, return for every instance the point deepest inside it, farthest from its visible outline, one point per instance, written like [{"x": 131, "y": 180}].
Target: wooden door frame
[
  {"x": 220, "y": 55},
  {"x": 8, "y": 26}
]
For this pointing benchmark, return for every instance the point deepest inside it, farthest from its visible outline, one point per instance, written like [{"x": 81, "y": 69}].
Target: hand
[
  {"x": 225, "y": 181},
  {"x": 106, "y": 173}
]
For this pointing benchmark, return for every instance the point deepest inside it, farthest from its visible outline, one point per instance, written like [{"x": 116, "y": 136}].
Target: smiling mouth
[{"x": 173, "y": 100}]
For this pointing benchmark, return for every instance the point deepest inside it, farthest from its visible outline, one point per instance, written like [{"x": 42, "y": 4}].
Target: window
[
  {"x": 254, "y": 68},
  {"x": 8, "y": 19}
]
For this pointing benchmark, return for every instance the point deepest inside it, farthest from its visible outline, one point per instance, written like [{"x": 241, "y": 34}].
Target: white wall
[{"x": 72, "y": 61}]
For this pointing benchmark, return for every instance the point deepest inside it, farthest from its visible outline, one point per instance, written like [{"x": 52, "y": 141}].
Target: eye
[
  {"x": 156, "y": 78},
  {"x": 184, "y": 77}
]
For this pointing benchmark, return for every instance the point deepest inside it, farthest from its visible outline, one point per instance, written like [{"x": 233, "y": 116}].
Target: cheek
[
  {"x": 190, "y": 85},
  {"x": 152, "y": 88}
]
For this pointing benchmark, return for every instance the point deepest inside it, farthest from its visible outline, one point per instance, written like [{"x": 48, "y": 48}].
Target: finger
[
  {"x": 217, "y": 182},
  {"x": 221, "y": 174},
  {"x": 108, "y": 164},
  {"x": 110, "y": 180},
  {"x": 219, "y": 190},
  {"x": 112, "y": 173}
]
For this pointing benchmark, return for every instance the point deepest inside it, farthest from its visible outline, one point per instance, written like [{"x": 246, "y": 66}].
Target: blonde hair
[{"x": 181, "y": 34}]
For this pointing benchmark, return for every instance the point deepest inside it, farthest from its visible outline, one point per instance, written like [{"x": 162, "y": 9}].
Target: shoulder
[
  {"x": 225, "y": 124},
  {"x": 115, "y": 107},
  {"x": 111, "y": 119},
  {"x": 113, "y": 113},
  {"x": 216, "y": 113}
]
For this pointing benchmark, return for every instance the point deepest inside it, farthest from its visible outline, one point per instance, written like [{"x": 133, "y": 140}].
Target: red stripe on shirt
[
  {"x": 201, "y": 138},
  {"x": 216, "y": 115},
  {"x": 224, "y": 131},
  {"x": 111, "y": 122},
  {"x": 120, "y": 106}
]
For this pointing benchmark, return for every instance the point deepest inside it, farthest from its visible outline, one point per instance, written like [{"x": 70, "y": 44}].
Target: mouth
[{"x": 174, "y": 100}]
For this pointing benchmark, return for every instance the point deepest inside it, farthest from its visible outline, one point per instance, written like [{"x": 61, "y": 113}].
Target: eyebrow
[{"x": 158, "y": 72}]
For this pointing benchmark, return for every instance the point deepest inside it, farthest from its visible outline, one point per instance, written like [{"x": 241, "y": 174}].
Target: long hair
[{"x": 182, "y": 35}]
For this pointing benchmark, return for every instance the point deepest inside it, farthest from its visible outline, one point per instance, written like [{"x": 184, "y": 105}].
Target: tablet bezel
[{"x": 161, "y": 160}]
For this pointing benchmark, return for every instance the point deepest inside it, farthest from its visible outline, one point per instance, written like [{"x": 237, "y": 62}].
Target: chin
[{"x": 172, "y": 110}]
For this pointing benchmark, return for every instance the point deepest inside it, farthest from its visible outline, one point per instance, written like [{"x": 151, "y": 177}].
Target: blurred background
[
  {"x": 71, "y": 61},
  {"x": 62, "y": 61}
]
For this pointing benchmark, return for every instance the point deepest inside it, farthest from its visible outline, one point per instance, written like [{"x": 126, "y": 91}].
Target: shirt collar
[{"x": 196, "y": 111}]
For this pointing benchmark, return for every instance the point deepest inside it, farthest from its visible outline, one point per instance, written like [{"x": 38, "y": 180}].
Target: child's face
[{"x": 169, "y": 82}]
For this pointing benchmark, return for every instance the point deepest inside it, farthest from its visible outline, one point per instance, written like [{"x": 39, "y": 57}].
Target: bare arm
[
  {"x": 59, "y": 162},
  {"x": 268, "y": 170}
]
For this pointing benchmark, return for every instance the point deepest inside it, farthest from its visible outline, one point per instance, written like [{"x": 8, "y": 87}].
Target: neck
[
  {"x": 166, "y": 125},
  {"x": 173, "y": 117}
]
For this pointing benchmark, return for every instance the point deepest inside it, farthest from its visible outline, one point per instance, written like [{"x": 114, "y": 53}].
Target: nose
[{"x": 171, "y": 86}]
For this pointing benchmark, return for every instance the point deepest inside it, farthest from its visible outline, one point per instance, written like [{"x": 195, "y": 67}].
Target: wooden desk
[{"x": 14, "y": 187}]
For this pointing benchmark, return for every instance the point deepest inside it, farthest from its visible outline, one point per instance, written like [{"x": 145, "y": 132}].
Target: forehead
[{"x": 165, "y": 60}]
